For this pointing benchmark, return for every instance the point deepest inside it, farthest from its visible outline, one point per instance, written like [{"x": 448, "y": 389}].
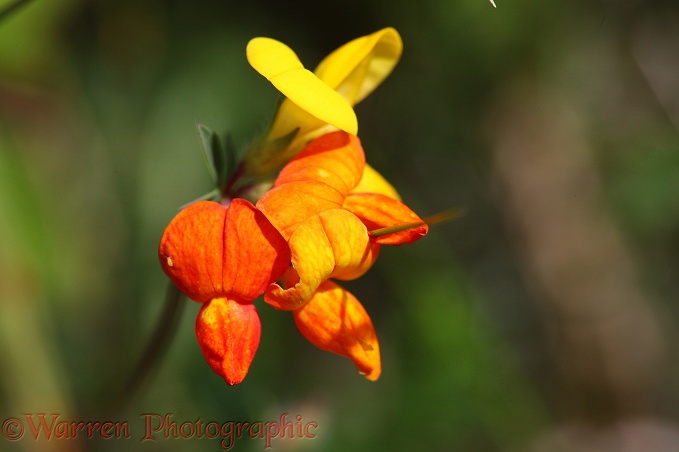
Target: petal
[
  {"x": 279, "y": 64},
  {"x": 228, "y": 333},
  {"x": 336, "y": 159},
  {"x": 358, "y": 67},
  {"x": 271, "y": 58},
  {"x": 335, "y": 321},
  {"x": 288, "y": 205},
  {"x": 255, "y": 253},
  {"x": 373, "y": 182},
  {"x": 379, "y": 211},
  {"x": 332, "y": 244},
  {"x": 191, "y": 250},
  {"x": 317, "y": 179},
  {"x": 210, "y": 251}
]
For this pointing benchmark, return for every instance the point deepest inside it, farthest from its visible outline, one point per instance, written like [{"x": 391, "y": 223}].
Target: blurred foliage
[{"x": 99, "y": 101}]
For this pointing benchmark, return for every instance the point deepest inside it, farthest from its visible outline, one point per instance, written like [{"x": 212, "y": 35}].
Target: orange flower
[
  {"x": 326, "y": 222},
  {"x": 225, "y": 258}
]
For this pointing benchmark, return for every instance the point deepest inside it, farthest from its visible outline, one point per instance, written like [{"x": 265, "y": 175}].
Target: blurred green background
[{"x": 543, "y": 320}]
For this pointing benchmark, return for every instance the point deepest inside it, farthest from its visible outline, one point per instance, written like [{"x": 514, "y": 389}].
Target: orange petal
[
  {"x": 210, "y": 251},
  {"x": 255, "y": 253},
  {"x": 228, "y": 334},
  {"x": 378, "y": 211},
  {"x": 288, "y": 205},
  {"x": 332, "y": 244},
  {"x": 336, "y": 159},
  {"x": 335, "y": 321}
]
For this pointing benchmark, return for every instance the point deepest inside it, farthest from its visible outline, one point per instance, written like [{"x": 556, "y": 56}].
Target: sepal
[{"x": 220, "y": 158}]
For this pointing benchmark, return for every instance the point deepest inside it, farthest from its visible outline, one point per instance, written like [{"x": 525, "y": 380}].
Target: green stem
[
  {"x": 157, "y": 346},
  {"x": 227, "y": 189}
]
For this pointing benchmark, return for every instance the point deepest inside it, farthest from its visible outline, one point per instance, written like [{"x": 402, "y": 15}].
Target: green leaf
[
  {"x": 221, "y": 160},
  {"x": 211, "y": 150}
]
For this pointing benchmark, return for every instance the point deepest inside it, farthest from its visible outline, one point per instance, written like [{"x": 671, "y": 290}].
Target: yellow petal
[
  {"x": 332, "y": 244},
  {"x": 335, "y": 321},
  {"x": 374, "y": 182},
  {"x": 316, "y": 103},
  {"x": 271, "y": 58},
  {"x": 280, "y": 65},
  {"x": 358, "y": 67}
]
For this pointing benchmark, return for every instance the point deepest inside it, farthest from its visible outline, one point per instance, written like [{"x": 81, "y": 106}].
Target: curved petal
[
  {"x": 288, "y": 205},
  {"x": 191, "y": 250},
  {"x": 316, "y": 103},
  {"x": 332, "y": 244},
  {"x": 271, "y": 58},
  {"x": 255, "y": 254},
  {"x": 379, "y": 211},
  {"x": 228, "y": 333},
  {"x": 336, "y": 159},
  {"x": 359, "y": 66},
  {"x": 279, "y": 64},
  {"x": 210, "y": 251},
  {"x": 335, "y": 321},
  {"x": 373, "y": 182}
]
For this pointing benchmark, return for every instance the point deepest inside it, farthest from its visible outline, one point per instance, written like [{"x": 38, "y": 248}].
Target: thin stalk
[{"x": 158, "y": 344}]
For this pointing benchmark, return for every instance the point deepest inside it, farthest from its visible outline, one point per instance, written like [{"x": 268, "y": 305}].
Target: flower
[
  {"x": 319, "y": 102},
  {"x": 316, "y": 208},
  {"x": 224, "y": 257},
  {"x": 324, "y": 218}
]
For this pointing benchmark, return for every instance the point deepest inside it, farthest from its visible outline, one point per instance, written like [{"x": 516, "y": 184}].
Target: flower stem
[
  {"x": 158, "y": 344},
  {"x": 226, "y": 190}
]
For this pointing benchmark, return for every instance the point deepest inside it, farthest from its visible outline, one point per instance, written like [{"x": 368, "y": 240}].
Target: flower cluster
[{"x": 322, "y": 216}]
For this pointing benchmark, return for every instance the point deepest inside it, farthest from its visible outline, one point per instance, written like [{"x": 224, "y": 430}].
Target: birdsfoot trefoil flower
[
  {"x": 323, "y": 218},
  {"x": 224, "y": 257}
]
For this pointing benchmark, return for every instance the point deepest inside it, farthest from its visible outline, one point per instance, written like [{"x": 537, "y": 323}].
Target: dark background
[{"x": 544, "y": 319}]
